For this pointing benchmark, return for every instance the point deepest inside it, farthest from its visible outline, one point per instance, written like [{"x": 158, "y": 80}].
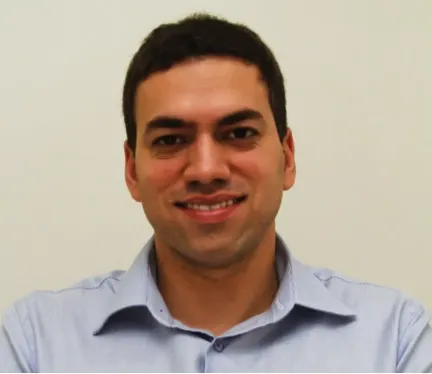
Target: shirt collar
[
  {"x": 299, "y": 286},
  {"x": 137, "y": 288}
]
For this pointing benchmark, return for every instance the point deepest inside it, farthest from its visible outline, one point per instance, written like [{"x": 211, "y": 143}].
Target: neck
[{"x": 215, "y": 300}]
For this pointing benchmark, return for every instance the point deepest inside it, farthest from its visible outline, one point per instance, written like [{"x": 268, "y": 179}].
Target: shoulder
[
  {"x": 376, "y": 303},
  {"x": 385, "y": 322},
  {"x": 102, "y": 283},
  {"x": 44, "y": 317},
  {"x": 358, "y": 293},
  {"x": 81, "y": 297}
]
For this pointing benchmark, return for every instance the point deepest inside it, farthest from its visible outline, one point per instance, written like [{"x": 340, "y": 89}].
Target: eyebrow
[{"x": 169, "y": 122}]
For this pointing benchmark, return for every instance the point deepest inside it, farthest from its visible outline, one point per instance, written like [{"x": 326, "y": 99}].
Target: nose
[{"x": 206, "y": 163}]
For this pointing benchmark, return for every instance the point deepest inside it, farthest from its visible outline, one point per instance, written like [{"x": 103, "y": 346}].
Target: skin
[{"x": 213, "y": 275}]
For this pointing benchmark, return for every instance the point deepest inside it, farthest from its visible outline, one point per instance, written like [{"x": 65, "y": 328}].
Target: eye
[
  {"x": 241, "y": 133},
  {"x": 168, "y": 140}
]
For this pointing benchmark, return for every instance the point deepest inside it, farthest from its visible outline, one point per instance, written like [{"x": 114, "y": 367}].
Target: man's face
[{"x": 209, "y": 168}]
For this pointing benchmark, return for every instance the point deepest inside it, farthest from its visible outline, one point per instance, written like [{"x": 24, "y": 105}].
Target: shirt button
[
  {"x": 218, "y": 346},
  {"x": 279, "y": 305}
]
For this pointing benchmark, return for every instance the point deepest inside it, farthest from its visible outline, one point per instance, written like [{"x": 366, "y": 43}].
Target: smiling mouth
[{"x": 211, "y": 207}]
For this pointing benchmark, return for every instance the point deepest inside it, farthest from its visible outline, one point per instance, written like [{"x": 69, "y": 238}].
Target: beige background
[{"x": 359, "y": 86}]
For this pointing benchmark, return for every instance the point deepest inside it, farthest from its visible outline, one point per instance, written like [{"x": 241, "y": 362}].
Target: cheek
[
  {"x": 252, "y": 170},
  {"x": 262, "y": 167},
  {"x": 158, "y": 175},
  {"x": 264, "y": 172}
]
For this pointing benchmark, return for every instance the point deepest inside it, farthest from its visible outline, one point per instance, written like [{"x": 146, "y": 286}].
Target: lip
[
  {"x": 211, "y": 216},
  {"x": 210, "y": 199}
]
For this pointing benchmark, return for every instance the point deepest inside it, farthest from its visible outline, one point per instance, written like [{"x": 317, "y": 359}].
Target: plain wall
[{"x": 359, "y": 84}]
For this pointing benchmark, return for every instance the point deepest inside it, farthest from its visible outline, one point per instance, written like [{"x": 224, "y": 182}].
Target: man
[{"x": 208, "y": 155}]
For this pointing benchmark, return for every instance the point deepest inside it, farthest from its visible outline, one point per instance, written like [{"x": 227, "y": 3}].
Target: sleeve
[
  {"x": 415, "y": 343},
  {"x": 15, "y": 351}
]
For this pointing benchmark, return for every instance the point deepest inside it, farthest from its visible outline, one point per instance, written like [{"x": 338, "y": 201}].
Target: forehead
[{"x": 202, "y": 89}]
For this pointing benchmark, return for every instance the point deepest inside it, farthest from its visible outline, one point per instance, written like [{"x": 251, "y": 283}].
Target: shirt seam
[
  {"x": 353, "y": 282},
  {"x": 82, "y": 288},
  {"x": 31, "y": 347},
  {"x": 411, "y": 322},
  {"x": 415, "y": 318}
]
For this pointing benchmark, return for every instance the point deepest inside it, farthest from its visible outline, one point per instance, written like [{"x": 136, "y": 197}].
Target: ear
[
  {"x": 130, "y": 173},
  {"x": 289, "y": 158}
]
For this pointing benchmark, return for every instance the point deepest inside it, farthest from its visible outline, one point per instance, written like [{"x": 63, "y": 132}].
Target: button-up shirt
[{"x": 320, "y": 321}]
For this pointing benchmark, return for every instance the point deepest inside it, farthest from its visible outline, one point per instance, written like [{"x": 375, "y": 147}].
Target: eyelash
[{"x": 252, "y": 133}]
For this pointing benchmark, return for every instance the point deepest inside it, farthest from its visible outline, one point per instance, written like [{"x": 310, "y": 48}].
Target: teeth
[{"x": 205, "y": 207}]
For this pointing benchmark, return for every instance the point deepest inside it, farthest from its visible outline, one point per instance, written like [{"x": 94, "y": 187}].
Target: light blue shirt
[{"x": 319, "y": 321}]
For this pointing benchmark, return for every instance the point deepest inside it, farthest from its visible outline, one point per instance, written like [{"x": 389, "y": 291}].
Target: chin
[
  {"x": 214, "y": 261},
  {"x": 214, "y": 255}
]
